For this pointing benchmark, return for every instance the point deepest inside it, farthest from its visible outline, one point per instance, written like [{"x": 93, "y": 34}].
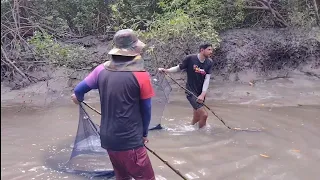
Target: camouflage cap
[{"x": 126, "y": 43}]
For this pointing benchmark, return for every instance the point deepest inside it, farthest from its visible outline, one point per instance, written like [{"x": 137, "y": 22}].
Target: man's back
[
  {"x": 120, "y": 95},
  {"x": 121, "y": 126}
]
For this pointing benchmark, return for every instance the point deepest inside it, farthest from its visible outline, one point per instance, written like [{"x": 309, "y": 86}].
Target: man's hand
[
  {"x": 74, "y": 99},
  {"x": 200, "y": 98},
  {"x": 145, "y": 140},
  {"x": 162, "y": 70}
]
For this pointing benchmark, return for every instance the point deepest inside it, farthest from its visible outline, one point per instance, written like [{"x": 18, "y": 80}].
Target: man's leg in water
[
  {"x": 199, "y": 113},
  {"x": 196, "y": 117},
  {"x": 203, "y": 114}
]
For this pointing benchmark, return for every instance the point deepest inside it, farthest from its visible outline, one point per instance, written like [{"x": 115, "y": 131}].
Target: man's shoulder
[
  {"x": 96, "y": 71},
  {"x": 142, "y": 76},
  {"x": 209, "y": 61},
  {"x": 142, "y": 73},
  {"x": 192, "y": 56}
]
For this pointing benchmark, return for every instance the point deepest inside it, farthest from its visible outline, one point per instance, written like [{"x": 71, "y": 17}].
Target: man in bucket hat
[{"x": 125, "y": 93}]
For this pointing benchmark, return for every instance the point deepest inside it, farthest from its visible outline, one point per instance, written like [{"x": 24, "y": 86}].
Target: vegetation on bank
[{"x": 32, "y": 31}]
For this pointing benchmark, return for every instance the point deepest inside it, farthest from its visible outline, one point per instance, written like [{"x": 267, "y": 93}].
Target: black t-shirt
[{"x": 196, "y": 72}]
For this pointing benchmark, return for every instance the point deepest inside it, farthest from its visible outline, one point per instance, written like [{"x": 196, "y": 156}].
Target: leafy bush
[
  {"x": 222, "y": 14},
  {"x": 182, "y": 26},
  {"x": 61, "y": 55}
]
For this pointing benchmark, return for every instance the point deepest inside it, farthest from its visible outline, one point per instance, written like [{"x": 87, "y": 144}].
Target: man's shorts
[
  {"x": 133, "y": 163},
  {"x": 193, "y": 101}
]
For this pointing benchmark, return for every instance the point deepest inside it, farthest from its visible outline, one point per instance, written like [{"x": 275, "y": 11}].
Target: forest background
[{"x": 40, "y": 36}]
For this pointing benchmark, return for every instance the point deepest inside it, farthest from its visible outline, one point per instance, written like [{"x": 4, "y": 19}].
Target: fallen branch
[
  {"x": 311, "y": 74},
  {"x": 12, "y": 64},
  {"x": 278, "y": 77},
  {"x": 252, "y": 82}
]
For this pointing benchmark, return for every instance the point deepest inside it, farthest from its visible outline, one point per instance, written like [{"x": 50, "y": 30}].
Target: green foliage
[
  {"x": 132, "y": 14},
  {"x": 81, "y": 16},
  {"x": 181, "y": 23},
  {"x": 62, "y": 55},
  {"x": 300, "y": 13},
  {"x": 221, "y": 13},
  {"x": 88, "y": 17},
  {"x": 182, "y": 27},
  {"x": 193, "y": 20}
]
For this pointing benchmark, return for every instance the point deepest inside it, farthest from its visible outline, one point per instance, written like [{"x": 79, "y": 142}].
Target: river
[{"x": 35, "y": 137}]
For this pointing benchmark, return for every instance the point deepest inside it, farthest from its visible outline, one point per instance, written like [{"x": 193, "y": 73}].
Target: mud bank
[
  {"x": 267, "y": 50},
  {"x": 295, "y": 89}
]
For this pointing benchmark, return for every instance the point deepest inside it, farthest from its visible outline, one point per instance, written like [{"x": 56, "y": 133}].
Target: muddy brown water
[{"x": 35, "y": 138}]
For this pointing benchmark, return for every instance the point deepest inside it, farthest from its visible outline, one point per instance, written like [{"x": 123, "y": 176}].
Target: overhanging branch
[{"x": 266, "y": 5}]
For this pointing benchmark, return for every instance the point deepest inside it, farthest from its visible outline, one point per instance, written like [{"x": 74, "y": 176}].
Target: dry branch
[
  {"x": 311, "y": 74},
  {"x": 266, "y": 5},
  {"x": 4, "y": 54},
  {"x": 15, "y": 25},
  {"x": 315, "y": 6}
]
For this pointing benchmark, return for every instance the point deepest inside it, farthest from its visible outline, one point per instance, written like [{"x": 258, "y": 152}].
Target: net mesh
[{"x": 88, "y": 157}]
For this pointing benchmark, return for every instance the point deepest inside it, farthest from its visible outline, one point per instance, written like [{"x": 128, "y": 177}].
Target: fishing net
[{"x": 88, "y": 157}]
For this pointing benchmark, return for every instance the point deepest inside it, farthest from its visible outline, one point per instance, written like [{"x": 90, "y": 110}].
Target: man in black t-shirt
[{"x": 198, "y": 68}]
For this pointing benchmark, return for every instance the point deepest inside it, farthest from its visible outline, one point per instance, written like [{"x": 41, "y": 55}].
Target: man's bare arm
[{"x": 171, "y": 70}]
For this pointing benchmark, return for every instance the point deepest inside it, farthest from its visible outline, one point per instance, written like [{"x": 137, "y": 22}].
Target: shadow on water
[
  {"x": 60, "y": 162},
  {"x": 81, "y": 156}
]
